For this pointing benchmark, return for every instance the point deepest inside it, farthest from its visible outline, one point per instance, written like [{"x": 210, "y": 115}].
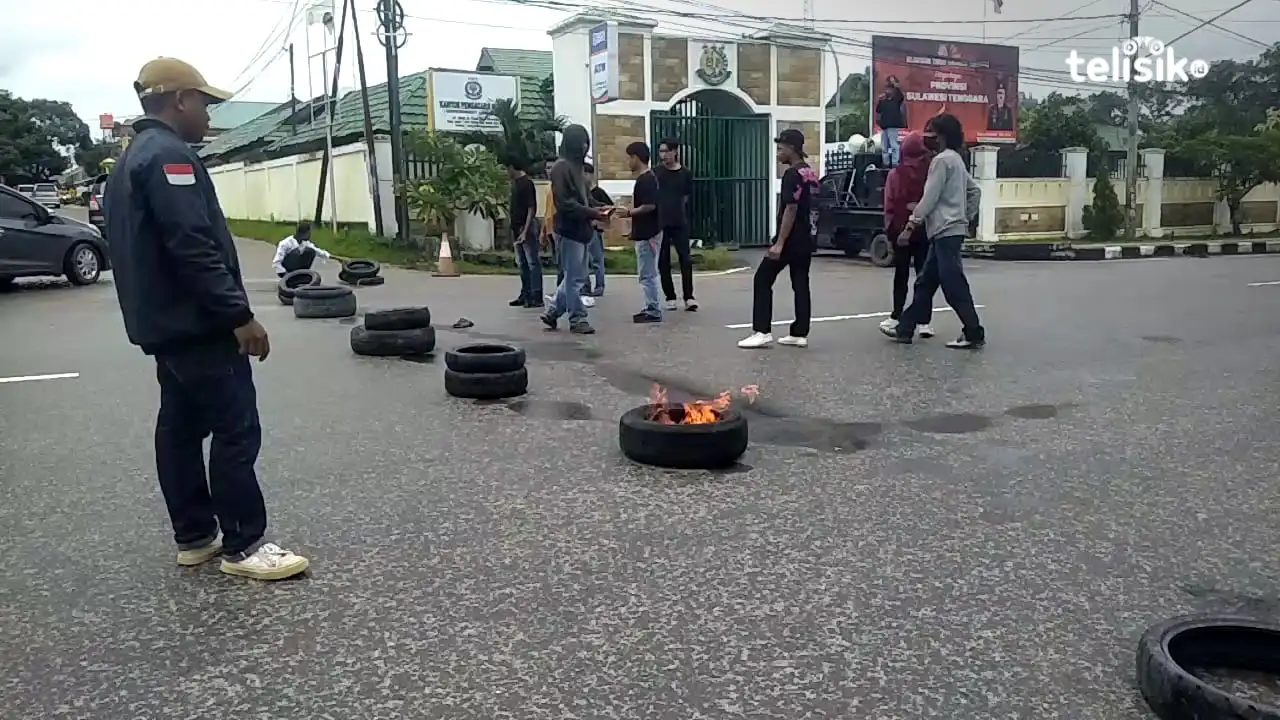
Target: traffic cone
[{"x": 444, "y": 265}]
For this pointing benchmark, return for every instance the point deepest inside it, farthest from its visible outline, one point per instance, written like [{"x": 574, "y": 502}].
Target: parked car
[
  {"x": 47, "y": 195},
  {"x": 36, "y": 242},
  {"x": 28, "y": 190},
  {"x": 96, "y": 193}
]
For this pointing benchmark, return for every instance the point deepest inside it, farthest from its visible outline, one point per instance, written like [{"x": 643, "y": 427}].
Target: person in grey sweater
[{"x": 947, "y": 208}]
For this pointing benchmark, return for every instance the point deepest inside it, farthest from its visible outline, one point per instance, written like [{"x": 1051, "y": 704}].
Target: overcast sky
[{"x": 88, "y": 52}]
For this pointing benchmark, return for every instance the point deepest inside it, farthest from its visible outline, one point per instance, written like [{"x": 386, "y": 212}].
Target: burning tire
[
  {"x": 486, "y": 386},
  {"x": 405, "y": 318},
  {"x": 392, "y": 343},
  {"x": 484, "y": 358},
  {"x": 663, "y": 436},
  {"x": 1204, "y": 641},
  {"x": 323, "y": 301},
  {"x": 290, "y": 283}
]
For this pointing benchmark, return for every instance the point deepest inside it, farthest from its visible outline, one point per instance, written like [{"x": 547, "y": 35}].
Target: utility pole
[
  {"x": 1131, "y": 158},
  {"x": 392, "y": 36},
  {"x": 293, "y": 94},
  {"x": 330, "y": 104},
  {"x": 368, "y": 129}
]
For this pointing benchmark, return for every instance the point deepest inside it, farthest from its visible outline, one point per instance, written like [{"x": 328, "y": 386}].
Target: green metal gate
[{"x": 731, "y": 159}]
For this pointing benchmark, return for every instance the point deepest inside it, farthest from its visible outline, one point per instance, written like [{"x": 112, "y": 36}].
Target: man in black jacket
[
  {"x": 891, "y": 118},
  {"x": 573, "y": 229},
  {"x": 177, "y": 276}
]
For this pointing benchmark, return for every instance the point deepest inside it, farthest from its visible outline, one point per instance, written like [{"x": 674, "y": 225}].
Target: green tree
[
  {"x": 30, "y": 134},
  {"x": 1240, "y": 163},
  {"x": 854, "y": 96},
  {"x": 466, "y": 179},
  {"x": 91, "y": 158},
  {"x": 1103, "y": 217},
  {"x": 1057, "y": 122}
]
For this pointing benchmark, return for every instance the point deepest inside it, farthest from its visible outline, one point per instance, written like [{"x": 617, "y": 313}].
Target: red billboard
[{"x": 976, "y": 83}]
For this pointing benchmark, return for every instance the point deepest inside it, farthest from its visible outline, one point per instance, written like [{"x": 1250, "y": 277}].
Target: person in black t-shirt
[
  {"x": 792, "y": 247},
  {"x": 675, "y": 188},
  {"x": 524, "y": 235},
  {"x": 595, "y": 249},
  {"x": 646, "y": 230}
]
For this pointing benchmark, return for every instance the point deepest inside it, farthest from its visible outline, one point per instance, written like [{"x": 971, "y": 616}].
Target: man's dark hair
[
  {"x": 639, "y": 151},
  {"x": 671, "y": 144},
  {"x": 948, "y": 127},
  {"x": 515, "y": 162},
  {"x": 589, "y": 168},
  {"x": 303, "y": 229}
]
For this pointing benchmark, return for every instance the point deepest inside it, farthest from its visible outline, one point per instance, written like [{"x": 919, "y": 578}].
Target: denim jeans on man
[
  {"x": 892, "y": 141},
  {"x": 942, "y": 269},
  {"x": 568, "y": 297},
  {"x": 529, "y": 260},
  {"x": 209, "y": 391},
  {"x": 647, "y": 267},
  {"x": 595, "y": 252}
]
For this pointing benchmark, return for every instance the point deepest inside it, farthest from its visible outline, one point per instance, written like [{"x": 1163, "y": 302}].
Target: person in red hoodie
[{"x": 902, "y": 191}]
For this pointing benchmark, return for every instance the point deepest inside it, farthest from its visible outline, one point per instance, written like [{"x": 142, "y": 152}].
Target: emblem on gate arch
[{"x": 713, "y": 66}]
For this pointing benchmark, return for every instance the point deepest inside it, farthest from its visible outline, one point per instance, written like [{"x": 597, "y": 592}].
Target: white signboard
[
  {"x": 464, "y": 102},
  {"x": 603, "y": 54}
]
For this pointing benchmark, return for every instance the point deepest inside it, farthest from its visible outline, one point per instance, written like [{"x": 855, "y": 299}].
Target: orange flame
[{"x": 698, "y": 412}]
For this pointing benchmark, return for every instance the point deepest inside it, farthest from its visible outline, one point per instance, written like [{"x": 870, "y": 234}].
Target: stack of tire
[
  {"x": 485, "y": 372},
  {"x": 290, "y": 283},
  {"x": 324, "y": 302},
  {"x": 361, "y": 273},
  {"x": 397, "y": 332}
]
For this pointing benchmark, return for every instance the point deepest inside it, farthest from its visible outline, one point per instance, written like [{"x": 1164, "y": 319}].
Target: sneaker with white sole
[
  {"x": 794, "y": 341},
  {"x": 191, "y": 557},
  {"x": 756, "y": 340},
  {"x": 889, "y": 324},
  {"x": 925, "y": 331},
  {"x": 588, "y": 301},
  {"x": 964, "y": 343},
  {"x": 671, "y": 305},
  {"x": 268, "y": 562},
  {"x": 691, "y": 305}
]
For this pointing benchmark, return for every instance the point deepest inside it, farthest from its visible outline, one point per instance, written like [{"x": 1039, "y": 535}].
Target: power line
[
  {"x": 269, "y": 40},
  {"x": 1210, "y": 21},
  {"x": 1246, "y": 38}
]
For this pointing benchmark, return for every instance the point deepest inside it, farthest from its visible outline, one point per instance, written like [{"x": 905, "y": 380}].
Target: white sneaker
[
  {"x": 203, "y": 554},
  {"x": 268, "y": 562},
  {"x": 757, "y": 340},
  {"x": 671, "y": 305},
  {"x": 794, "y": 341},
  {"x": 925, "y": 331},
  {"x": 889, "y": 324},
  {"x": 588, "y": 301},
  {"x": 691, "y": 305}
]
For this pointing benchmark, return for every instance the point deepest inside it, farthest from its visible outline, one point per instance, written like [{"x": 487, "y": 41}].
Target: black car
[
  {"x": 36, "y": 242},
  {"x": 97, "y": 191}
]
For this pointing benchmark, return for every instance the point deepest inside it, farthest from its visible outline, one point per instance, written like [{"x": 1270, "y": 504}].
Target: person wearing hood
[
  {"x": 902, "y": 191},
  {"x": 574, "y": 229}
]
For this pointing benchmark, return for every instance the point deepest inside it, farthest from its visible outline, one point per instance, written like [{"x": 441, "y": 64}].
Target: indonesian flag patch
[{"x": 180, "y": 174}]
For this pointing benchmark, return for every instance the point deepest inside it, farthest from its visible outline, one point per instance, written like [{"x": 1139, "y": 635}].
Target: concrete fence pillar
[
  {"x": 386, "y": 184},
  {"x": 1153, "y": 199},
  {"x": 1076, "y": 163},
  {"x": 984, "y": 171}
]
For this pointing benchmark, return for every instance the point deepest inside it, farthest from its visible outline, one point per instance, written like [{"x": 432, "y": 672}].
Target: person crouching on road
[
  {"x": 792, "y": 248},
  {"x": 573, "y": 230},
  {"x": 297, "y": 252},
  {"x": 646, "y": 230},
  {"x": 946, "y": 209},
  {"x": 901, "y": 193}
]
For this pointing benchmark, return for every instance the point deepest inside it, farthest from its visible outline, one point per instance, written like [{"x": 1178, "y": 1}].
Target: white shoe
[
  {"x": 588, "y": 301},
  {"x": 671, "y": 304},
  {"x": 889, "y": 324},
  {"x": 794, "y": 341},
  {"x": 691, "y": 305},
  {"x": 757, "y": 340},
  {"x": 197, "y": 556},
  {"x": 925, "y": 331},
  {"x": 268, "y": 562}
]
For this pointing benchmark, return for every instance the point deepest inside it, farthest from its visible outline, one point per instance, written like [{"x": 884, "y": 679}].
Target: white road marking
[
  {"x": 1273, "y": 282},
  {"x": 833, "y": 318},
  {"x": 32, "y": 378}
]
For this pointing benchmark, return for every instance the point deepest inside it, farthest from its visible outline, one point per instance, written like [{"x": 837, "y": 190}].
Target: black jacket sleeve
[
  {"x": 176, "y": 199},
  {"x": 566, "y": 190}
]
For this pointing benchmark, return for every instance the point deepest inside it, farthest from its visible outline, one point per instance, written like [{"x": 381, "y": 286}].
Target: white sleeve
[{"x": 281, "y": 250}]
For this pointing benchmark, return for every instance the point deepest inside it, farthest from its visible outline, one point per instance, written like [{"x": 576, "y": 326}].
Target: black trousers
[
  {"x": 797, "y": 262},
  {"x": 298, "y": 259},
  {"x": 904, "y": 260},
  {"x": 209, "y": 391},
  {"x": 678, "y": 238}
]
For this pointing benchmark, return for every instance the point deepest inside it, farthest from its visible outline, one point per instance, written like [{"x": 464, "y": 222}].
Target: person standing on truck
[
  {"x": 891, "y": 118},
  {"x": 177, "y": 277},
  {"x": 902, "y": 191}
]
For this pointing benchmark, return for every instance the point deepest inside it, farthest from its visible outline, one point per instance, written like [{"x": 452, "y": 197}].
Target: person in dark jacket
[
  {"x": 177, "y": 277},
  {"x": 574, "y": 229},
  {"x": 891, "y": 118}
]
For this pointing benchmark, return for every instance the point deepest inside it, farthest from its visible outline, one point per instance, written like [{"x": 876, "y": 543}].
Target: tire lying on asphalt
[
  {"x": 392, "y": 343},
  {"x": 323, "y": 301},
  {"x": 367, "y": 282},
  {"x": 289, "y": 284},
  {"x": 361, "y": 269},
  {"x": 402, "y": 318},
  {"x": 485, "y": 358},
  {"x": 486, "y": 386},
  {"x": 682, "y": 447},
  {"x": 1205, "y": 641}
]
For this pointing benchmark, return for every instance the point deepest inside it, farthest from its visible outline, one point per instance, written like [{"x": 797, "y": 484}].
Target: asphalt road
[{"x": 914, "y": 532}]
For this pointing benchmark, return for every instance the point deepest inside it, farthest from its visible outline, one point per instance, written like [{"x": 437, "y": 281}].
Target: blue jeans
[
  {"x": 647, "y": 267},
  {"x": 942, "y": 269},
  {"x": 595, "y": 252},
  {"x": 208, "y": 391},
  {"x": 568, "y": 298},
  {"x": 529, "y": 260},
  {"x": 892, "y": 145}
]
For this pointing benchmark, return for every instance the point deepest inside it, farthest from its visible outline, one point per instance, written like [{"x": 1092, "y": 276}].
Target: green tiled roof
[
  {"x": 266, "y": 127},
  {"x": 233, "y": 113},
  {"x": 348, "y": 116},
  {"x": 525, "y": 63}
]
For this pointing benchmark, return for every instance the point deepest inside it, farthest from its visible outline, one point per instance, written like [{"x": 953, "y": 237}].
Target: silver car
[{"x": 47, "y": 195}]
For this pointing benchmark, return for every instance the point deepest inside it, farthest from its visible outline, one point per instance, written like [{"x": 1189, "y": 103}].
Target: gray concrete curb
[{"x": 1067, "y": 251}]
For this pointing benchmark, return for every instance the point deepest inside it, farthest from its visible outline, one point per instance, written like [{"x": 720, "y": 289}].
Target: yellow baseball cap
[{"x": 167, "y": 75}]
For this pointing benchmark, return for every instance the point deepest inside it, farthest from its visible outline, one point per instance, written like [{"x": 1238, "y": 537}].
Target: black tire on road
[
  {"x": 1205, "y": 641},
  {"x": 403, "y": 318},
  {"x": 83, "y": 264},
  {"x": 881, "y": 251},
  {"x": 485, "y": 358},
  {"x": 361, "y": 269},
  {"x": 290, "y": 283},
  {"x": 392, "y": 343},
  {"x": 486, "y": 386},
  {"x": 323, "y": 301},
  {"x": 682, "y": 447}
]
